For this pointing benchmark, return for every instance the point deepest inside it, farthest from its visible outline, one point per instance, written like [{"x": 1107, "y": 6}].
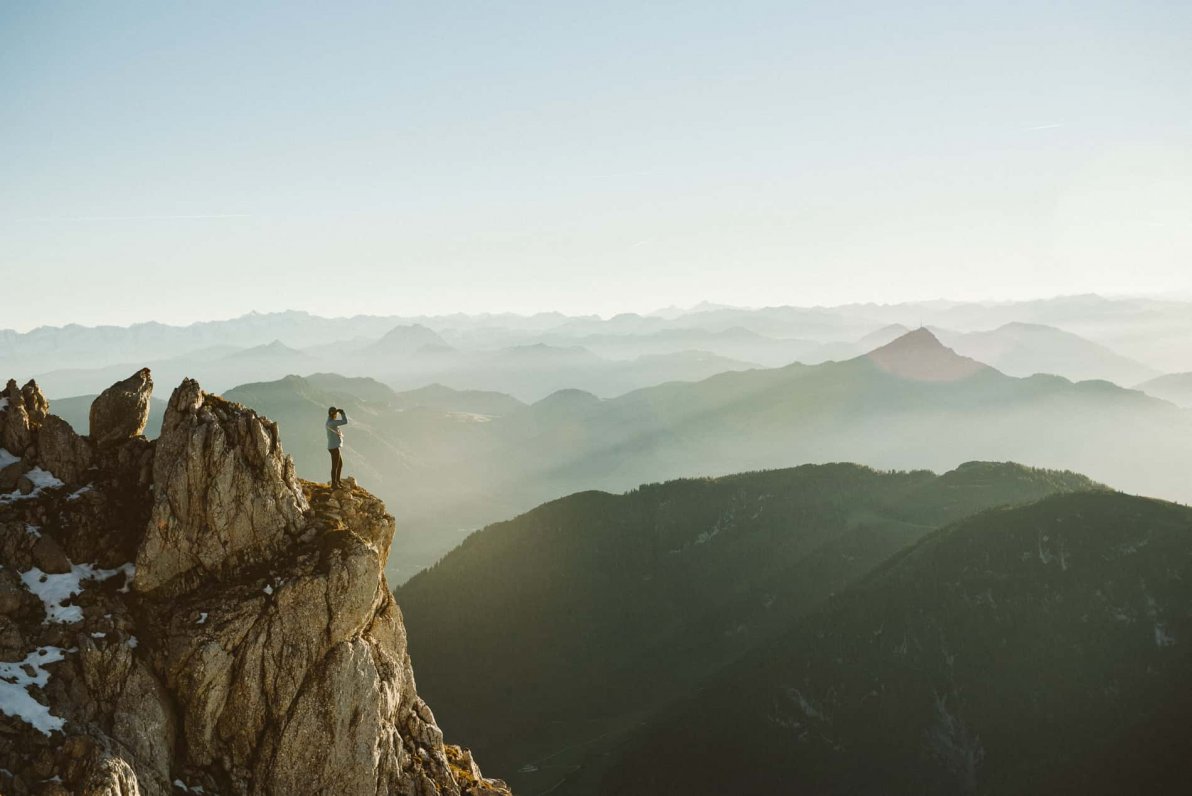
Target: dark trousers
[{"x": 337, "y": 465}]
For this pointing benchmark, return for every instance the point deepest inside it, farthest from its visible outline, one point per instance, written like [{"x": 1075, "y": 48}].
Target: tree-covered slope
[
  {"x": 1039, "y": 649},
  {"x": 595, "y": 610}
]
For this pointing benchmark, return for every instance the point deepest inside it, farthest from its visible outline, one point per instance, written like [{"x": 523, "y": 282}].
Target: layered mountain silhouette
[
  {"x": 1174, "y": 387},
  {"x": 488, "y": 403},
  {"x": 405, "y": 341},
  {"x": 607, "y": 607},
  {"x": 911, "y": 403},
  {"x": 1079, "y": 337},
  {"x": 1024, "y": 349}
]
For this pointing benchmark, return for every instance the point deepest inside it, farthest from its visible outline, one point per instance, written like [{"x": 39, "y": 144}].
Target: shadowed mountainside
[
  {"x": 608, "y": 607},
  {"x": 1040, "y": 649}
]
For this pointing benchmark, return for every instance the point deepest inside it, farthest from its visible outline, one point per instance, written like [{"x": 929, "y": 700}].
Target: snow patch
[
  {"x": 55, "y": 590},
  {"x": 202, "y": 618},
  {"x": 268, "y": 589},
  {"x": 15, "y": 680},
  {"x": 75, "y": 495},
  {"x": 7, "y": 458},
  {"x": 42, "y": 479}
]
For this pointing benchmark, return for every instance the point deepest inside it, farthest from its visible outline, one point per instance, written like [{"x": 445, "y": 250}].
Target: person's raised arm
[{"x": 343, "y": 419}]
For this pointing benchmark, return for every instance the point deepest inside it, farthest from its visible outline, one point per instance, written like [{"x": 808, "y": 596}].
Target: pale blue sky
[{"x": 178, "y": 161}]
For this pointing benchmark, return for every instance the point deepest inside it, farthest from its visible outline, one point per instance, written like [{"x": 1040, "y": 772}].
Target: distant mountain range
[
  {"x": 445, "y": 468},
  {"x": 410, "y": 357},
  {"x": 1175, "y": 387},
  {"x": 825, "y": 629},
  {"x": 1122, "y": 340},
  {"x": 1024, "y": 349}
]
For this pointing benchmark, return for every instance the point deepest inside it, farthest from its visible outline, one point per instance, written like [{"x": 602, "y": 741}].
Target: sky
[{"x": 179, "y": 162}]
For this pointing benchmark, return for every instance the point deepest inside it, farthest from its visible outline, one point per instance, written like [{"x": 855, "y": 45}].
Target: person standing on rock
[{"x": 335, "y": 438}]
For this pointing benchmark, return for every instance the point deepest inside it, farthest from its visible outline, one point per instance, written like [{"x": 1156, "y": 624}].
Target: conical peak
[{"x": 918, "y": 355}]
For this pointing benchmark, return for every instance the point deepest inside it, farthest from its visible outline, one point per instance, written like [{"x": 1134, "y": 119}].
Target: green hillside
[
  {"x": 1040, "y": 649},
  {"x": 596, "y": 610}
]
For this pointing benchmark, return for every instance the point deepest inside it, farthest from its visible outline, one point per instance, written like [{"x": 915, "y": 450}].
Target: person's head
[{"x": 331, "y": 411}]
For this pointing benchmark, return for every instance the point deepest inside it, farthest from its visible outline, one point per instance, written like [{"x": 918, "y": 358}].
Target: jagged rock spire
[
  {"x": 225, "y": 492},
  {"x": 25, "y": 408}
]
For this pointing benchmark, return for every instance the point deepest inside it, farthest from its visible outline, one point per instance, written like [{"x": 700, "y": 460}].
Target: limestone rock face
[
  {"x": 255, "y": 647},
  {"x": 122, "y": 410},
  {"x": 63, "y": 452},
  {"x": 224, "y": 490},
  {"x": 24, "y": 409}
]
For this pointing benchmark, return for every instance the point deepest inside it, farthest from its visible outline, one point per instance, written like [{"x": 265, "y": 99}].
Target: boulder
[
  {"x": 49, "y": 557},
  {"x": 122, "y": 410},
  {"x": 11, "y": 474},
  {"x": 63, "y": 452}
]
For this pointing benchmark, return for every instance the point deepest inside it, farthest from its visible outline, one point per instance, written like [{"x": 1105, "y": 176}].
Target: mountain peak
[
  {"x": 919, "y": 355},
  {"x": 274, "y": 349},
  {"x": 409, "y": 339}
]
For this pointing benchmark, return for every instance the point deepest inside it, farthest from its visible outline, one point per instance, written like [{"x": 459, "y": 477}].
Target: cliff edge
[{"x": 188, "y": 616}]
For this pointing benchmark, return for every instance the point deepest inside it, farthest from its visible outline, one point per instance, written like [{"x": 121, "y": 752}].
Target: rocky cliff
[{"x": 187, "y": 616}]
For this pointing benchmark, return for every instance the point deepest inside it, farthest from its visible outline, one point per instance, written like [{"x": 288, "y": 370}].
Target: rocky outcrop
[
  {"x": 63, "y": 452},
  {"x": 253, "y": 648},
  {"x": 24, "y": 409},
  {"x": 225, "y": 492},
  {"x": 122, "y": 410}
]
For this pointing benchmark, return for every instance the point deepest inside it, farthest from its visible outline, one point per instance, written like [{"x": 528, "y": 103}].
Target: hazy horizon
[{"x": 646, "y": 311}]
